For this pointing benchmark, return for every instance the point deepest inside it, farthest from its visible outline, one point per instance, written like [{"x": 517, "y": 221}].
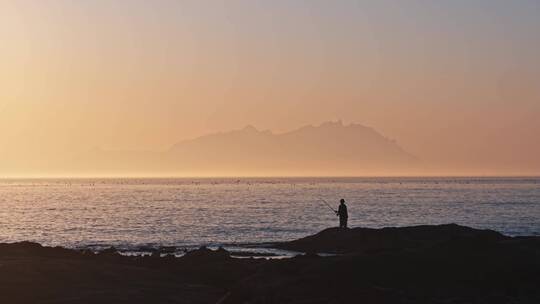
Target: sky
[{"x": 455, "y": 83}]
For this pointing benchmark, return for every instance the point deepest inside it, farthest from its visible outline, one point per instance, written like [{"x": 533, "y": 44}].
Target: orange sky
[{"x": 456, "y": 83}]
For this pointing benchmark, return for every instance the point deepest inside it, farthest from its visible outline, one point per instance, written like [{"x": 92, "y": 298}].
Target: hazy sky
[{"x": 454, "y": 82}]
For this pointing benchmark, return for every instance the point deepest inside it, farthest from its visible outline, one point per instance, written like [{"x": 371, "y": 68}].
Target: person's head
[{"x": 342, "y": 201}]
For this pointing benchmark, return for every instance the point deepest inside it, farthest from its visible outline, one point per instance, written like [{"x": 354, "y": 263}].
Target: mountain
[{"x": 331, "y": 148}]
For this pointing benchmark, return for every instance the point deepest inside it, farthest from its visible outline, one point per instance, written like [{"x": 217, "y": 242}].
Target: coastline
[{"x": 428, "y": 264}]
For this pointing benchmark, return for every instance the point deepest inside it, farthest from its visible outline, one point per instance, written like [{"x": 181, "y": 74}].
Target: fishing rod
[{"x": 327, "y": 204}]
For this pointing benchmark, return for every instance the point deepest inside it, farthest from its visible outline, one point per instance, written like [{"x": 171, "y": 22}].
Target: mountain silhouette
[{"x": 330, "y": 148}]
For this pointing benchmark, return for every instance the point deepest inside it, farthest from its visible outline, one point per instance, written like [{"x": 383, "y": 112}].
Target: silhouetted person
[{"x": 343, "y": 214}]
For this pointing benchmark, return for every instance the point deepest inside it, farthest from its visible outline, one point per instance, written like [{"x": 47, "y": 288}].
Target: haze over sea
[{"x": 138, "y": 213}]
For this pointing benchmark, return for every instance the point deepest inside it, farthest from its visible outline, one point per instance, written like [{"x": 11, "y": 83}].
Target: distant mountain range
[{"x": 331, "y": 148}]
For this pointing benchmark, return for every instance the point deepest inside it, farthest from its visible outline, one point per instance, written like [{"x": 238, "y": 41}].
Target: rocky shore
[{"x": 422, "y": 264}]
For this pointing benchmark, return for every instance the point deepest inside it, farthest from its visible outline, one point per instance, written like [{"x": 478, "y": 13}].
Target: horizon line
[{"x": 44, "y": 177}]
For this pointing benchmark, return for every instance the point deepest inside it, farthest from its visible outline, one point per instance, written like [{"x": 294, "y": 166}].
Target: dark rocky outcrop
[
  {"x": 423, "y": 264},
  {"x": 336, "y": 240}
]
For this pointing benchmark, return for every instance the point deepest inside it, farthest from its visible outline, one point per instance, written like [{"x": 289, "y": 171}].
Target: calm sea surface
[{"x": 136, "y": 213}]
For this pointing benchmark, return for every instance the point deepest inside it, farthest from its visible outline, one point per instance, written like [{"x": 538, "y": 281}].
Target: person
[{"x": 343, "y": 214}]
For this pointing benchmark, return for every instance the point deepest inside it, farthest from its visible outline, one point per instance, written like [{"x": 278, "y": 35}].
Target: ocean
[{"x": 137, "y": 214}]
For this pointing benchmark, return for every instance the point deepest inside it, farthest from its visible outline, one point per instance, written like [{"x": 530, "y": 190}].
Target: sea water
[{"x": 134, "y": 214}]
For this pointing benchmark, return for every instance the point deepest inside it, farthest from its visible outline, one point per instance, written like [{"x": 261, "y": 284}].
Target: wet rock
[
  {"x": 109, "y": 252},
  {"x": 203, "y": 253},
  {"x": 251, "y": 254},
  {"x": 167, "y": 249}
]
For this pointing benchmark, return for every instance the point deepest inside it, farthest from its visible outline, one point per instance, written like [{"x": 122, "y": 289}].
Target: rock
[
  {"x": 204, "y": 253},
  {"x": 109, "y": 252},
  {"x": 422, "y": 264},
  {"x": 335, "y": 240}
]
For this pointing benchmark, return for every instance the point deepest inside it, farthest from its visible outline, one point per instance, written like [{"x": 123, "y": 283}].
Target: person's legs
[{"x": 342, "y": 222}]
